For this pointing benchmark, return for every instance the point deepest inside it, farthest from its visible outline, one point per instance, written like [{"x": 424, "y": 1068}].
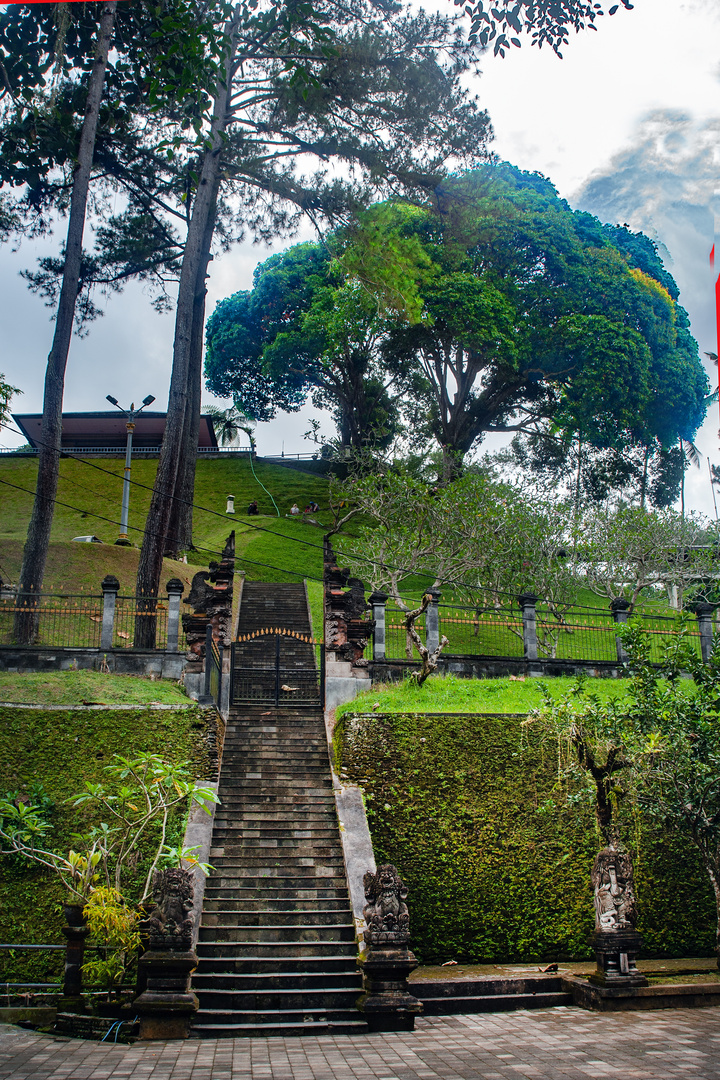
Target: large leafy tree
[
  {"x": 511, "y": 313},
  {"x": 539, "y": 313},
  {"x": 303, "y": 329}
]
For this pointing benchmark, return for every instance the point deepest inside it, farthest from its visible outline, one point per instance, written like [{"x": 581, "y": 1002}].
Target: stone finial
[
  {"x": 175, "y": 585},
  {"x": 169, "y": 924},
  {"x": 386, "y": 912},
  {"x": 110, "y": 584}
]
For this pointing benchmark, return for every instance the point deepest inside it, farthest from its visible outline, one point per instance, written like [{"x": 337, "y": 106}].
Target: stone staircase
[{"x": 277, "y": 952}]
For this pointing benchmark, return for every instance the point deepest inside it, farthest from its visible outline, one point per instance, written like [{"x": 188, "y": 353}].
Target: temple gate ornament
[
  {"x": 387, "y": 962},
  {"x": 211, "y": 598},
  {"x": 166, "y": 1005}
]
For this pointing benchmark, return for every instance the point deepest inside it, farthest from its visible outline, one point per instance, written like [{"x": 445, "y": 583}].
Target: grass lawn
[
  {"x": 448, "y": 693},
  {"x": 88, "y": 687}
]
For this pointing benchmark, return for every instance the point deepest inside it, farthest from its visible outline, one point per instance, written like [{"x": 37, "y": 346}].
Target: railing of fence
[
  {"x": 574, "y": 634},
  {"x": 126, "y": 608},
  {"x": 75, "y": 622},
  {"x": 71, "y": 622}
]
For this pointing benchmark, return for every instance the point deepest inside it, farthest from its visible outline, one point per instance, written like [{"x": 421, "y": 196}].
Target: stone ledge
[{"x": 636, "y": 998}]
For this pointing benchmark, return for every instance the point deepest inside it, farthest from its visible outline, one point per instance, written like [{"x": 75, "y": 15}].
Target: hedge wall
[
  {"x": 61, "y": 749},
  {"x": 497, "y": 860}
]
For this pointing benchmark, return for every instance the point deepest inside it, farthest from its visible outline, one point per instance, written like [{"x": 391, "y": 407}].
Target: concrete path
[{"x": 557, "y": 1044}]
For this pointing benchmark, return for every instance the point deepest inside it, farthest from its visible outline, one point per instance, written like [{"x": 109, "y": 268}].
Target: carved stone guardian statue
[
  {"x": 166, "y": 1004},
  {"x": 616, "y": 941},
  {"x": 387, "y": 1002}
]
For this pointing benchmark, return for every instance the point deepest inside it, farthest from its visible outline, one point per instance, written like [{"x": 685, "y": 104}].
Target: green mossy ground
[
  {"x": 468, "y": 807},
  {"x": 80, "y": 567},
  {"x": 62, "y": 750},
  {"x": 88, "y": 688},
  {"x": 448, "y": 693}
]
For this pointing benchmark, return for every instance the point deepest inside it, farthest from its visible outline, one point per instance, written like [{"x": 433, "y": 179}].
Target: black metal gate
[{"x": 278, "y": 668}]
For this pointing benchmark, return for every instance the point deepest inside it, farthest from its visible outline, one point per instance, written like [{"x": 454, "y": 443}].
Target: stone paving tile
[{"x": 548, "y": 1044}]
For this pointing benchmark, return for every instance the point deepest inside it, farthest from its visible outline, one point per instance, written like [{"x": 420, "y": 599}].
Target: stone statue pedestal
[
  {"x": 75, "y": 932},
  {"x": 616, "y": 953},
  {"x": 167, "y": 1005},
  {"x": 387, "y": 1003}
]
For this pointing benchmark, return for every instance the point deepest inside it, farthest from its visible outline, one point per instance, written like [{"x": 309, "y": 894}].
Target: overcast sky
[{"x": 626, "y": 126}]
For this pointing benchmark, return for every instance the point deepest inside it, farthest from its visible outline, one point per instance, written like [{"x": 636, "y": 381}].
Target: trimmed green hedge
[
  {"x": 61, "y": 749},
  {"x": 497, "y": 861}
]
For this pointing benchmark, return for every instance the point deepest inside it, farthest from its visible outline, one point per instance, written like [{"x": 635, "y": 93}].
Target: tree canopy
[{"x": 495, "y": 308}]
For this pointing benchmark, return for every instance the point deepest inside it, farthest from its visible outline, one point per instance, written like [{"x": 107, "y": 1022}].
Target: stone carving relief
[
  {"x": 211, "y": 598},
  {"x": 169, "y": 924},
  {"x": 346, "y": 629},
  {"x": 612, "y": 878},
  {"x": 386, "y": 912}
]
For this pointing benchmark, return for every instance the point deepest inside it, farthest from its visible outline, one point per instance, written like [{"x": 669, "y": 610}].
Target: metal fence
[
  {"x": 126, "y": 608},
  {"x": 75, "y": 622},
  {"x": 576, "y": 634}
]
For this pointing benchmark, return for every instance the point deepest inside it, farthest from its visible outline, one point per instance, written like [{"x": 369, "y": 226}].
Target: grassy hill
[{"x": 92, "y": 505}]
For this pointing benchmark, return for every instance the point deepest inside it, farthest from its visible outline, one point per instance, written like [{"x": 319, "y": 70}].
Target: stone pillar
[
  {"x": 75, "y": 932},
  {"x": 110, "y": 587},
  {"x": 175, "y": 589},
  {"x": 378, "y": 600},
  {"x": 432, "y": 622},
  {"x": 527, "y": 602},
  {"x": 616, "y": 941},
  {"x": 166, "y": 1005},
  {"x": 704, "y": 614},
  {"x": 387, "y": 1003},
  {"x": 619, "y": 607}
]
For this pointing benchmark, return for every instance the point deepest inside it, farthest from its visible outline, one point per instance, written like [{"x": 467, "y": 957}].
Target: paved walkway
[{"x": 557, "y": 1044}]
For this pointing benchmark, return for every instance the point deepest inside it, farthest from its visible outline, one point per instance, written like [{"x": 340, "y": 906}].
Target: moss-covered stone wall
[{"x": 497, "y": 851}]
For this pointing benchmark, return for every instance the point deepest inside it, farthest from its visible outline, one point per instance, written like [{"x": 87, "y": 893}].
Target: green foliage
[
  {"x": 114, "y": 927},
  {"x": 471, "y": 810},
  {"x": 62, "y": 750}
]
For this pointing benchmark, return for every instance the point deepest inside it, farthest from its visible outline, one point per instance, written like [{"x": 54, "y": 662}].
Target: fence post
[
  {"x": 619, "y": 607},
  {"x": 432, "y": 622},
  {"x": 110, "y": 587},
  {"x": 527, "y": 602},
  {"x": 704, "y": 614},
  {"x": 175, "y": 589},
  {"x": 378, "y": 601},
  {"x": 206, "y": 698}
]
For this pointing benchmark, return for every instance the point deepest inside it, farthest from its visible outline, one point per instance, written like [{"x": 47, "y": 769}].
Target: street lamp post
[{"x": 123, "y": 540}]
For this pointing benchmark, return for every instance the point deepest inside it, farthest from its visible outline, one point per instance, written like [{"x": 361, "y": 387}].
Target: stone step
[
  {"x": 442, "y": 1006},
  {"x": 232, "y": 1002},
  {"x": 275, "y": 1026},
  {"x": 292, "y": 833},
  {"x": 299, "y": 1018},
  {"x": 342, "y": 966},
  {"x": 272, "y": 905},
  {"x": 261, "y": 896},
  {"x": 297, "y": 948},
  {"x": 224, "y": 916},
  {"x": 279, "y": 881},
  {"x": 262, "y": 981},
  {"x": 314, "y": 933},
  {"x": 276, "y": 860}
]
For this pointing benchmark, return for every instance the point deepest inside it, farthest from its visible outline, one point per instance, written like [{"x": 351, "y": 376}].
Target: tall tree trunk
[
  {"x": 180, "y": 528},
  {"x": 643, "y": 487},
  {"x": 194, "y": 266},
  {"x": 38, "y": 536}
]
